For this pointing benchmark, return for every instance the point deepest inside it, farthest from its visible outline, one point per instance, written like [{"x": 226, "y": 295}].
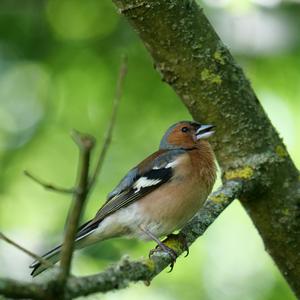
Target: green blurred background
[{"x": 59, "y": 61}]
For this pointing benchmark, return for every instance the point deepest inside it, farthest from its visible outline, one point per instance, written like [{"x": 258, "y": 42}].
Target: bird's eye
[{"x": 184, "y": 129}]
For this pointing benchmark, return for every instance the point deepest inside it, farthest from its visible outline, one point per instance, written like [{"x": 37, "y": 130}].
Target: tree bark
[
  {"x": 120, "y": 275},
  {"x": 256, "y": 167},
  {"x": 192, "y": 59}
]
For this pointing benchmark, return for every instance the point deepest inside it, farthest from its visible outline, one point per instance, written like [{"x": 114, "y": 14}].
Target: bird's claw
[{"x": 172, "y": 253}]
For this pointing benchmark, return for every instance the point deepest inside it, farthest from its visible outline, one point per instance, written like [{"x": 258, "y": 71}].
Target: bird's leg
[
  {"x": 160, "y": 245},
  {"x": 178, "y": 237}
]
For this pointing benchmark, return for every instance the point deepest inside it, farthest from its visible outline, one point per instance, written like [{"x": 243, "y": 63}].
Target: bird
[{"x": 157, "y": 197}]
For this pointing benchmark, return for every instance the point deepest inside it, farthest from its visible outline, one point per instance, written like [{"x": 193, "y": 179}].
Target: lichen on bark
[
  {"x": 255, "y": 164},
  {"x": 191, "y": 58}
]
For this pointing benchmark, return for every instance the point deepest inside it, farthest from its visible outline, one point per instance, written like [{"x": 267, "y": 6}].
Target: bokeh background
[{"x": 59, "y": 61}]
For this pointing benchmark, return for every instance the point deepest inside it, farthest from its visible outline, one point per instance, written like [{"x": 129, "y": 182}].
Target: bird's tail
[
  {"x": 52, "y": 256},
  {"x": 83, "y": 239}
]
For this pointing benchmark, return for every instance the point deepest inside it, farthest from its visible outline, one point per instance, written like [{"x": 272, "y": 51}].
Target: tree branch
[
  {"x": 193, "y": 60},
  {"x": 57, "y": 287},
  {"x": 85, "y": 144},
  {"x": 48, "y": 186},
  {"x": 84, "y": 185},
  {"x": 31, "y": 254},
  {"x": 120, "y": 275},
  {"x": 126, "y": 271},
  {"x": 255, "y": 164},
  {"x": 18, "y": 289},
  {"x": 109, "y": 131}
]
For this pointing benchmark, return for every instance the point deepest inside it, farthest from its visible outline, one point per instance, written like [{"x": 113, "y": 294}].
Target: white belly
[
  {"x": 127, "y": 222},
  {"x": 161, "y": 215}
]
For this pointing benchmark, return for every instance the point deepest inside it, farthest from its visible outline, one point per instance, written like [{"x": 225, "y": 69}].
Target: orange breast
[{"x": 176, "y": 202}]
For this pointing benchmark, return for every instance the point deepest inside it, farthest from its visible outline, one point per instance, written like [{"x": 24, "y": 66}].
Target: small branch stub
[{"x": 48, "y": 186}]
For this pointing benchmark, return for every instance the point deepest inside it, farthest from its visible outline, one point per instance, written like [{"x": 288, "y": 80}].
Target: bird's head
[{"x": 185, "y": 135}]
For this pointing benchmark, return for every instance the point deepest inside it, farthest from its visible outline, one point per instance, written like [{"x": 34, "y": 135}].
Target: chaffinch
[{"x": 158, "y": 196}]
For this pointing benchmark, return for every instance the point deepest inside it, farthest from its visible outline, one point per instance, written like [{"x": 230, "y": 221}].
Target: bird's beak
[{"x": 205, "y": 131}]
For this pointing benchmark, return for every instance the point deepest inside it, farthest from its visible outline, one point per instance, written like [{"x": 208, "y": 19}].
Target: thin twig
[
  {"x": 85, "y": 144},
  {"x": 49, "y": 186},
  {"x": 43, "y": 261},
  {"x": 109, "y": 131},
  {"x": 125, "y": 271},
  {"x": 83, "y": 186}
]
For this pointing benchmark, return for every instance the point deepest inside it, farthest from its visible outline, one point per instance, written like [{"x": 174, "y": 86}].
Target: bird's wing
[
  {"x": 151, "y": 173},
  {"x": 124, "y": 184}
]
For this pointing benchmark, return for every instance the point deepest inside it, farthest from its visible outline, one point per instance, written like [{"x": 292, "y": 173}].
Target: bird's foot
[
  {"x": 172, "y": 239},
  {"x": 171, "y": 252}
]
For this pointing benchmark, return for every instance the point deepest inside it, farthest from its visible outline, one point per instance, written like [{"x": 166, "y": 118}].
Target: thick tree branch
[
  {"x": 255, "y": 164},
  {"x": 192, "y": 59},
  {"x": 120, "y": 275},
  {"x": 17, "y": 289},
  {"x": 126, "y": 271}
]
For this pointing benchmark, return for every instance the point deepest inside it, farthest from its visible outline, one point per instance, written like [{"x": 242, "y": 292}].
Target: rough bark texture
[
  {"x": 255, "y": 164},
  {"x": 120, "y": 275},
  {"x": 192, "y": 59}
]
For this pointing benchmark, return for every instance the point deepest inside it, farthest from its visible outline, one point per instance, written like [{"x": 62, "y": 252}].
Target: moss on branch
[
  {"x": 192, "y": 59},
  {"x": 126, "y": 271}
]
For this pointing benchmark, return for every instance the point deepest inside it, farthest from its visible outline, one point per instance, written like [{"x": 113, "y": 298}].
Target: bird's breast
[{"x": 173, "y": 204}]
